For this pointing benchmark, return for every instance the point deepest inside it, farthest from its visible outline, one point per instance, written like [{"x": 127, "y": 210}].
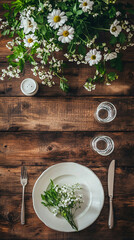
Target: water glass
[
  {"x": 106, "y": 112},
  {"x": 103, "y": 145}
]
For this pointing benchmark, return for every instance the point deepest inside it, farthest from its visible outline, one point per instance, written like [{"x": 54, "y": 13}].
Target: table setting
[{"x": 66, "y": 120}]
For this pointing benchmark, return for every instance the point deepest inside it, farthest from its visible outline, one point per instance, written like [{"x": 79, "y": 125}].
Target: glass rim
[
  {"x": 109, "y": 145},
  {"x": 107, "y": 119}
]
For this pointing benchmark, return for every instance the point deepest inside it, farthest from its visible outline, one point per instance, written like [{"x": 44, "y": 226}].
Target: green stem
[
  {"x": 57, "y": 75},
  {"x": 100, "y": 29},
  {"x": 82, "y": 40}
]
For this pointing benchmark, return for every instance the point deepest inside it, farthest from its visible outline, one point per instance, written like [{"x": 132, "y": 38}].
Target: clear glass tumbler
[
  {"x": 103, "y": 145},
  {"x": 105, "y": 113}
]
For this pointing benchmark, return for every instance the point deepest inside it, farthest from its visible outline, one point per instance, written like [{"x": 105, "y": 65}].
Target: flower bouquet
[{"x": 88, "y": 32}]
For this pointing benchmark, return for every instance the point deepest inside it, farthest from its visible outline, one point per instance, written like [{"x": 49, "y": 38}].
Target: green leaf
[
  {"x": 75, "y": 8},
  {"x": 122, "y": 38},
  {"x": 43, "y": 30},
  {"x": 43, "y": 197},
  {"x": 11, "y": 34},
  {"x": 79, "y": 12},
  {"x": 112, "y": 76},
  {"x": 12, "y": 57},
  {"x": 82, "y": 50},
  {"x": 112, "y": 12},
  {"x": 101, "y": 68},
  {"x": 6, "y": 14},
  {"x": 21, "y": 64},
  {"x": 63, "y": 84},
  {"x": 117, "y": 63},
  {"x": 6, "y": 32},
  {"x": 6, "y": 6},
  {"x": 69, "y": 14},
  {"x": 113, "y": 40},
  {"x": 40, "y": 19},
  {"x": 21, "y": 34},
  {"x": 44, "y": 204},
  {"x": 31, "y": 59}
]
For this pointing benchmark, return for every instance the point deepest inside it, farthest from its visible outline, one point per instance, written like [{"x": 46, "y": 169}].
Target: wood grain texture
[
  {"x": 55, "y": 127},
  {"x": 123, "y": 177},
  {"x": 77, "y": 76},
  {"x": 62, "y": 114},
  {"x": 35, "y": 229},
  {"x": 42, "y": 148}
]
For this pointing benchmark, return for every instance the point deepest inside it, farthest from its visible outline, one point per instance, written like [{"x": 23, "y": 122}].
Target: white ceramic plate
[{"x": 70, "y": 173}]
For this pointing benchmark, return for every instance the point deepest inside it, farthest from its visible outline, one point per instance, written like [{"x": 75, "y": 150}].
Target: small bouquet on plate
[{"x": 63, "y": 200}]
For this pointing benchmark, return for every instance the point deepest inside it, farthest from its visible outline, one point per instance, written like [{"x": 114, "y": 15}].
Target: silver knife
[{"x": 111, "y": 171}]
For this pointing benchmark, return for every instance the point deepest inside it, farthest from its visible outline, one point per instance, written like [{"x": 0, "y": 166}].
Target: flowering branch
[{"x": 40, "y": 28}]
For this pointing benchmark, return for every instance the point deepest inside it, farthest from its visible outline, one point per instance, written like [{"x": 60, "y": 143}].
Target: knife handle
[{"x": 111, "y": 217}]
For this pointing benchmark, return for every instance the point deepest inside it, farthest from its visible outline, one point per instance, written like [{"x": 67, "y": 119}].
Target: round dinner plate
[{"x": 70, "y": 173}]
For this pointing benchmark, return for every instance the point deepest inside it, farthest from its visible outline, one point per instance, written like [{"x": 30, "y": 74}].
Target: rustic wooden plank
[
  {"x": 52, "y": 147},
  {"x": 62, "y": 114},
  {"x": 77, "y": 76},
  {"x": 35, "y": 229},
  {"x": 124, "y": 177}
]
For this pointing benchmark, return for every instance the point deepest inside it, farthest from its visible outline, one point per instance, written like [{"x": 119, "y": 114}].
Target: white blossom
[
  {"x": 93, "y": 57},
  {"x": 115, "y": 28},
  {"x": 29, "y": 40},
  {"x": 66, "y": 34},
  {"x": 86, "y": 5},
  {"x": 110, "y": 56},
  {"x": 28, "y": 24},
  {"x": 56, "y": 18}
]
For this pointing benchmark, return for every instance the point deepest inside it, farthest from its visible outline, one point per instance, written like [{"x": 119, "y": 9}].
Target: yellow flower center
[
  {"x": 114, "y": 29},
  {"x": 93, "y": 57},
  {"x": 57, "y": 19},
  {"x": 30, "y": 40},
  {"x": 65, "y": 33},
  {"x": 85, "y": 4}
]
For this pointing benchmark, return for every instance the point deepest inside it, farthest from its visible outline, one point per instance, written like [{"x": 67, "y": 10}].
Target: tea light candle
[{"x": 29, "y": 87}]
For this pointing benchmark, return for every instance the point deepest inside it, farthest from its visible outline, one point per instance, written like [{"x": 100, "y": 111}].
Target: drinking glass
[
  {"x": 103, "y": 145},
  {"x": 105, "y": 113}
]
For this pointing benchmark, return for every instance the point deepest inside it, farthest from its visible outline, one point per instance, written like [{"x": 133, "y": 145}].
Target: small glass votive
[
  {"x": 105, "y": 113},
  {"x": 103, "y": 145},
  {"x": 29, "y": 87}
]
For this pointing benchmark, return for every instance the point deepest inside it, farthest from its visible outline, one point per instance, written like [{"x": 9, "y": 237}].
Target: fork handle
[{"x": 23, "y": 207}]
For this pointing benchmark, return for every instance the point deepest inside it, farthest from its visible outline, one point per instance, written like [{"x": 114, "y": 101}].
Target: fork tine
[{"x": 23, "y": 172}]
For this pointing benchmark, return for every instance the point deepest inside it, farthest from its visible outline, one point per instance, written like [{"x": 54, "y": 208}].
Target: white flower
[
  {"x": 56, "y": 18},
  {"x": 66, "y": 34},
  {"x": 128, "y": 30},
  {"x": 89, "y": 86},
  {"x": 118, "y": 13},
  {"x": 110, "y": 56},
  {"x": 115, "y": 28},
  {"x": 93, "y": 57},
  {"x": 117, "y": 50},
  {"x": 28, "y": 24},
  {"x": 86, "y": 5},
  {"x": 29, "y": 40},
  {"x": 105, "y": 49}
]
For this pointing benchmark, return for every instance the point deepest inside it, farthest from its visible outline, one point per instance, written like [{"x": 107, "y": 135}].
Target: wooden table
[{"x": 55, "y": 127}]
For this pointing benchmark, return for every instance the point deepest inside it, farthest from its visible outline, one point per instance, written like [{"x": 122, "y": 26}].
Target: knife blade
[{"x": 111, "y": 173}]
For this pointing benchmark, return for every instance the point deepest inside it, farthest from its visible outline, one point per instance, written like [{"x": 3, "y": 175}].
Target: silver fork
[{"x": 23, "y": 180}]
